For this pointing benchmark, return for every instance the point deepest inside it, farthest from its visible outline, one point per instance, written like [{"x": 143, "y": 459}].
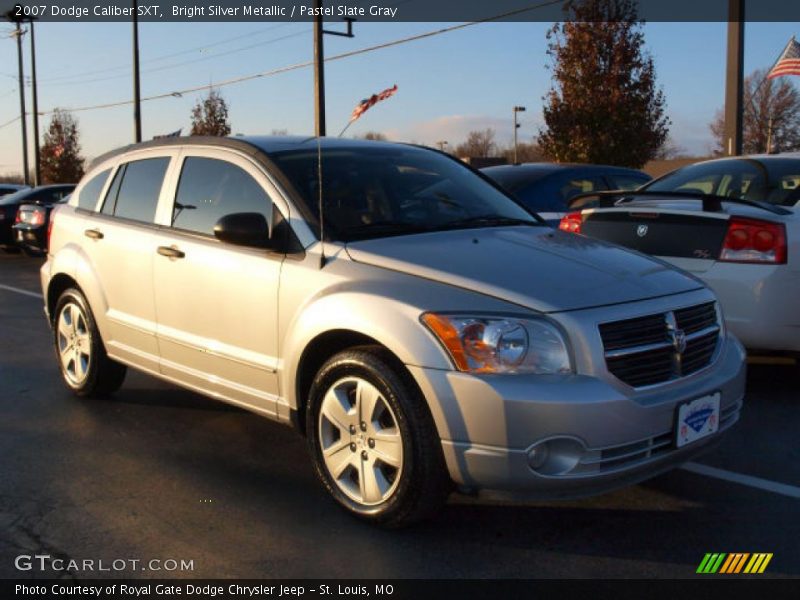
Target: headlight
[{"x": 481, "y": 344}]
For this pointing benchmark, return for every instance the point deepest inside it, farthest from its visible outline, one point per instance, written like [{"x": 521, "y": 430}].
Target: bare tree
[
  {"x": 373, "y": 135},
  {"x": 526, "y": 153},
  {"x": 670, "y": 150},
  {"x": 771, "y": 114},
  {"x": 479, "y": 143}
]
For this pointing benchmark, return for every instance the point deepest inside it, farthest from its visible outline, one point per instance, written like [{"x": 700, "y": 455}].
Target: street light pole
[
  {"x": 137, "y": 100},
  {"x": 36, "y": 158},
  {"x": 319, "y": 66},
  {"x": 23, "y": 120},
  {"x": 734, "y": 79},
  {"x": 319, "y": 73},
  {"x": 517, "y": 109}
]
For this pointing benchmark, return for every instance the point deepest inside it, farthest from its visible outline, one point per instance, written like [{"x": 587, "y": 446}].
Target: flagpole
[
  {"x": 763, "y": 79},
  {"x": 758, "y": 88},
  {"x": 345, "y": 127}
]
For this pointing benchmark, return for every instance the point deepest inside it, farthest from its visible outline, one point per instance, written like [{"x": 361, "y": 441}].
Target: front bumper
[{"x": 488, "y": 424}]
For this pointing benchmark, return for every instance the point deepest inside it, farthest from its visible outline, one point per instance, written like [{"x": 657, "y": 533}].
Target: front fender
[{"x": 392, "y": 323}]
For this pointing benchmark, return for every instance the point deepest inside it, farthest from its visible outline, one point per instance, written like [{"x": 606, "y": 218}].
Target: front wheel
[
  {"x": 85, "y": 367},
  {"x": 372, "y": 439}
]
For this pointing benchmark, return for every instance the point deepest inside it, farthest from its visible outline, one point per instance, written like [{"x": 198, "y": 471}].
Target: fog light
[{"x": 556, "y": 456}]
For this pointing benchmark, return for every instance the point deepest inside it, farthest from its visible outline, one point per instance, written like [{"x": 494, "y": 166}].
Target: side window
[
  {"x": 210, "y": 189},
  {"x": 90, "y": 193},
  {"x": 136, "y": 190},
  {"x": 627, "y": 182},
  {"x": 581, "y": 185}
]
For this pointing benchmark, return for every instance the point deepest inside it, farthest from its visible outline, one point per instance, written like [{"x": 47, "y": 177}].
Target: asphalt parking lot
[{"x": 161, "y": 473}]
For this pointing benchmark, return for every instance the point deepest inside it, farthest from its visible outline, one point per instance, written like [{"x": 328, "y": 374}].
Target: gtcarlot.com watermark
[{"x": 47, "y": 563}]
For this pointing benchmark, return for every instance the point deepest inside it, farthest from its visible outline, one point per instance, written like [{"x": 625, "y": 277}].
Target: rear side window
[
  {"x": 135, "y": 190},
  {"x": 210, "y": 189},
  {"x": 90, "y": 193},
  {"x": 627, "y": 182}
]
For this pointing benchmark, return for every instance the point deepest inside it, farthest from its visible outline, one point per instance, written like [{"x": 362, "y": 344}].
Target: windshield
[
  {"x": 382, "y": 191},
  {"x": 775, "y": 180}
]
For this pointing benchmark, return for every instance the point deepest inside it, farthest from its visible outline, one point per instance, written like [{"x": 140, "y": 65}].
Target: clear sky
[{"x": 448, "y": 84}]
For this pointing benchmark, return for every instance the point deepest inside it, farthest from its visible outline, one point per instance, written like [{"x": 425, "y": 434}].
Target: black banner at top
[{"x": 377, "y": 10}]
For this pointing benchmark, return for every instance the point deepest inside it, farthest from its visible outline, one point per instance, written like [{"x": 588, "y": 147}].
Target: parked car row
[
  {"x": 417, "y": 324},
  {"x": 734, "y": 223},
  {"x": 25, "y": 216}
]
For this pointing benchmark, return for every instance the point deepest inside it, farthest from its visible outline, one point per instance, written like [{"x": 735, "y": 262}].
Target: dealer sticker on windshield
[{"x": 698, "y": 419}]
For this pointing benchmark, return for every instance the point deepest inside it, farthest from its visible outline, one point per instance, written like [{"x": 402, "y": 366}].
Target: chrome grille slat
[{"x": 661, "y": 347}]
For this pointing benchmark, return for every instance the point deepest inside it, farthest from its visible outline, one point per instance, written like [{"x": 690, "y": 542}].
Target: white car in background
[{"x": 733, "y": 222}]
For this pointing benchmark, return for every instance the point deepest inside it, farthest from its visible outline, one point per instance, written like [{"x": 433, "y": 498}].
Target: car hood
[{"x": 537, "y": 267}]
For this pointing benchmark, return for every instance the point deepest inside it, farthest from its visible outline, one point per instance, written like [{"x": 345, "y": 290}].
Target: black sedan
[
  {"x": 11, "y": 188},
  {"x": 46, "y": 195},
  {"x": 546, "y": 188}
]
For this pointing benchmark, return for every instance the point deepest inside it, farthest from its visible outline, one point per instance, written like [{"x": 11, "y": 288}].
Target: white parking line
[
  {"x": 748, "y": 480},
  {"x": 19, "y": 291}
]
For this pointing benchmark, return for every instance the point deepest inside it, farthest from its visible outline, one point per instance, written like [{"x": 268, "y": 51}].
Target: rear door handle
[
  {"x": 170, "y": 252},
  {"x": 94, "y": 234}
]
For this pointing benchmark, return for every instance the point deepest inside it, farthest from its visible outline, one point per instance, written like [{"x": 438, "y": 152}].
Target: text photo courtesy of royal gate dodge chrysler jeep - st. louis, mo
[{"x": 393, "y": 298}]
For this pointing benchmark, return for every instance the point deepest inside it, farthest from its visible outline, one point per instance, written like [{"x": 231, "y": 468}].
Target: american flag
[
  {"x": 368, "y": 103},
  {"x": 789, "y": 62}
]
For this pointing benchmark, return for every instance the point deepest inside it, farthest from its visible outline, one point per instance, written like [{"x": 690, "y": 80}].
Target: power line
[
  {"x": 305, "y": 64},
  {"x": 7, "y": 123},
  {"x": 164, "y": 56},
  {"x": 180, "y": 64}
]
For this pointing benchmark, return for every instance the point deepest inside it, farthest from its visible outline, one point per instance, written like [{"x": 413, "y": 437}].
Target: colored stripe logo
[{"x": 734, "y": 563}]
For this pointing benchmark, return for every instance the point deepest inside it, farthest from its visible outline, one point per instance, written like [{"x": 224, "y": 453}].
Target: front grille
[
  {"x": 660, "y": 347},
  {"x": 696, "y": 318}
]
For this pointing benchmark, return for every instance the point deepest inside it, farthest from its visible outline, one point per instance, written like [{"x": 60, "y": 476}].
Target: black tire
[
  {"x": 101, "y": 376},
  {"x": 421, "y": 485}
]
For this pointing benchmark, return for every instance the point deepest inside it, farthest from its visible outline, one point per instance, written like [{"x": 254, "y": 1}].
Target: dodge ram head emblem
[
  {"x": 678, "y": 340},
  {"x": 641, "y": 230}
]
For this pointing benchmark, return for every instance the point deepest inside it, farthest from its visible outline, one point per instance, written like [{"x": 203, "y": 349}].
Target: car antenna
[{"x": 322, "y": 259}]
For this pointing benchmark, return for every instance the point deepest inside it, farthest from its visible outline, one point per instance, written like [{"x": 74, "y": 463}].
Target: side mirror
[{"x": 244, "y": 229}]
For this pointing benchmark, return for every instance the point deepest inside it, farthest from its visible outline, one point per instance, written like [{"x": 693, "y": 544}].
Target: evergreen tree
[
  {"x": 604, "y": 106},
  {"x": 210, "y": 116},
  {"x": 60, "y": 154}
]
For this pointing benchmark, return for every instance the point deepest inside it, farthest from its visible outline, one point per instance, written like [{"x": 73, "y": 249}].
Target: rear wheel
[
  {"x": 373, "y": 441},
  {"x": 85, "y": 367}
]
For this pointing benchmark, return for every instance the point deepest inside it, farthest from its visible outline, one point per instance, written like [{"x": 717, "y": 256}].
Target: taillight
[
  {"x": 19, "y": 217},
  {"x": 571, "y": 222},
  {"x": 754, "y": 241},
  {"x": 37, "y": 217},
  {"x": 50, "y": 227}
]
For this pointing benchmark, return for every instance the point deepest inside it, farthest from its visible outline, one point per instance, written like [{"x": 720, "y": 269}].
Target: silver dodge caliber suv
[{"x": 415, "y": 323}]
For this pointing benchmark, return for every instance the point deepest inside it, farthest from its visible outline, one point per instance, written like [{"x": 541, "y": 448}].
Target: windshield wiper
[
  {"x": 355, "y": 232},
  {"x": 487, "y": 221}
]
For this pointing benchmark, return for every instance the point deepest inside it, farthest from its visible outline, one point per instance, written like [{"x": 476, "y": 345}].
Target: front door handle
[
  {"x": 170, "y": 252},
  {"x": 94, "y": 234}
]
